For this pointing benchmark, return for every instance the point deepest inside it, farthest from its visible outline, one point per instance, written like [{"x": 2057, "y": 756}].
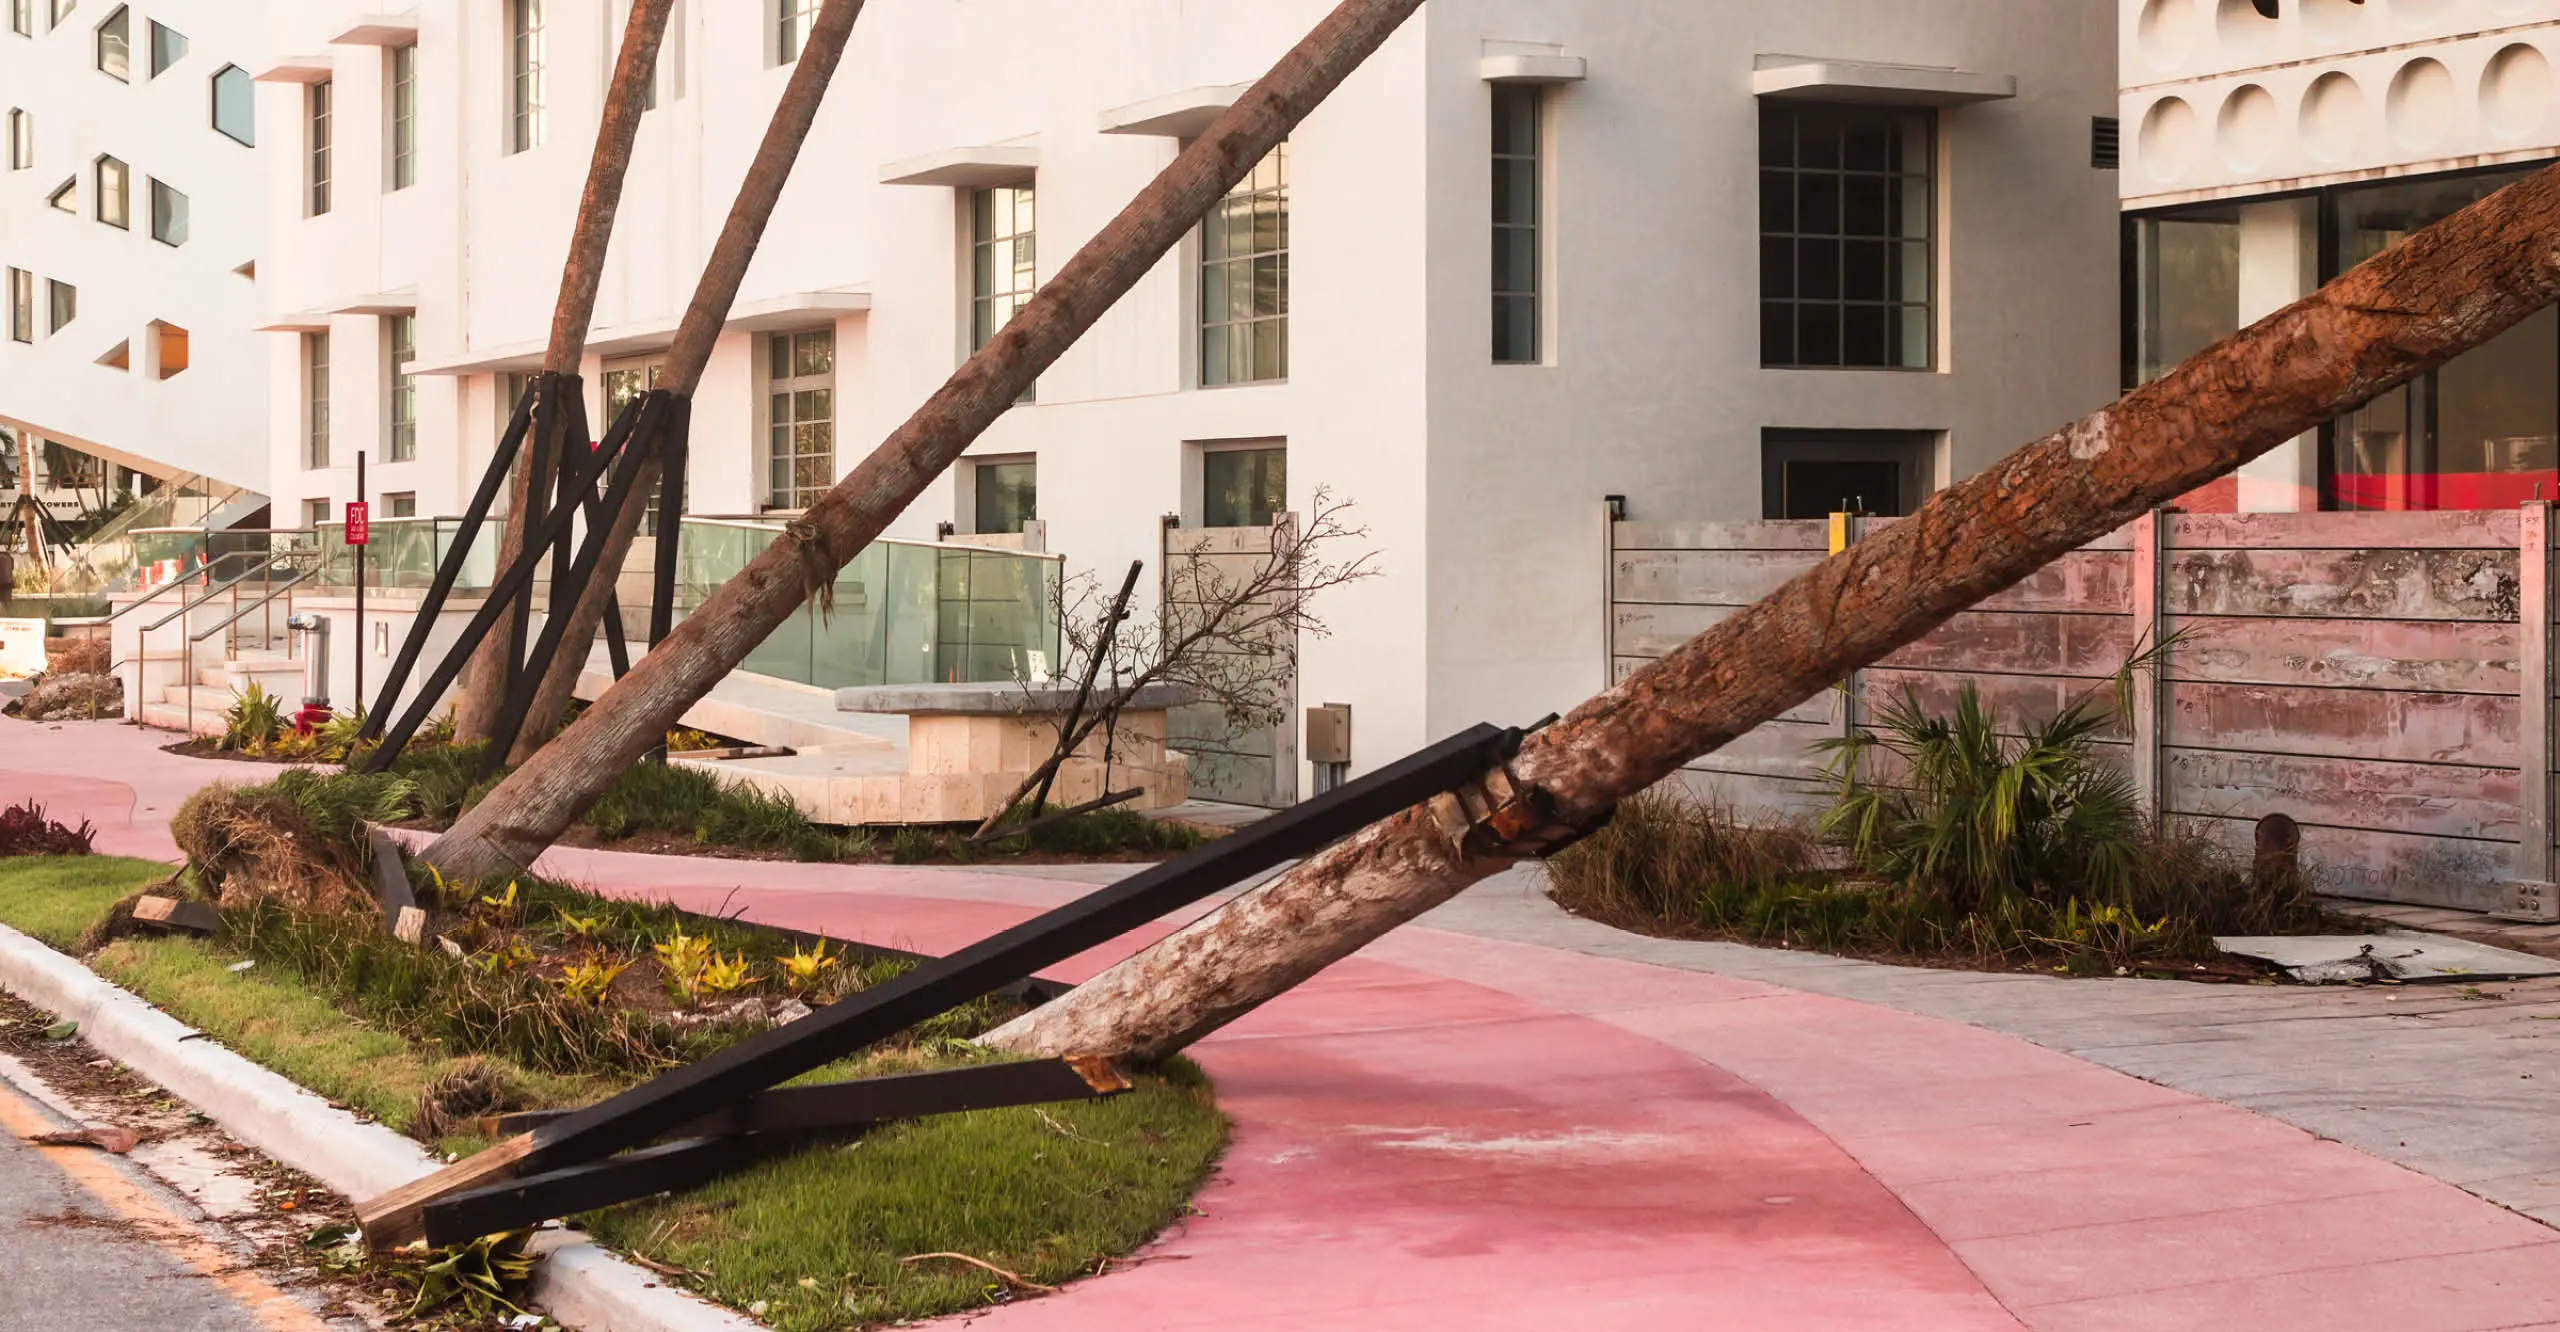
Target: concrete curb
[{"x": 580, "y": 1284}]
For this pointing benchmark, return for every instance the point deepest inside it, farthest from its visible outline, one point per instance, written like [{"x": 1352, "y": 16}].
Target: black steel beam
[
  {"x": 844, "y": 1105},
  {"x": 649, "y": 1111},
  {"x": 547, "y": 389},
  {"x": 511, "y": 582},
  {"x": 677, "y": 463},
  {"x": 1031, "y": 992},
  {"x": 668, "y": 1168},
  {"x": 492, "y": 483}
]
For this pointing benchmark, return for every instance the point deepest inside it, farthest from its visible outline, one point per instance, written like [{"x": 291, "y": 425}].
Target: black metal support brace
[
  {"x": 651, "y": 414},
  {"x": 548, "y": 390},
  {"x": 654, "y": 1108},
  {"x": 503, "y": 597},
  {"x": 492, "y": 482},
  {"x": 667, "y": 1168}
]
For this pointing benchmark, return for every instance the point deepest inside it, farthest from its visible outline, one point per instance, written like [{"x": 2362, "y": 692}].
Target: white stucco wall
[{"x": 210, "y": 419}]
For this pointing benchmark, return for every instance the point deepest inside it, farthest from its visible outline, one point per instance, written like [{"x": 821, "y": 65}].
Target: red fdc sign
[{"x": 359, "y": 523}]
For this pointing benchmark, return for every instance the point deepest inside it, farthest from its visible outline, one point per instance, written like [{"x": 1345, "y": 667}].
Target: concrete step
[{"x": 172, "y": 716}]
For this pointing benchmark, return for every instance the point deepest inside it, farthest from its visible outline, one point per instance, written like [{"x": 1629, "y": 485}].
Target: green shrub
[
  {"x": 747, "y": 816},
  {"x": 253, "y": 721},
  {"x": 670, "y": 797}
]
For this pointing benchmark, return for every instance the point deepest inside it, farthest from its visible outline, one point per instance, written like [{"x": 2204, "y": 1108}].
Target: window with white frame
[
  {"x": 168, "y": 214},
  {"x": 1004, "y": 260},
  {"x": 22, "y": 305},
  {"x": 400, "y": 504},
  {"x": 168, "y": 47},
  {"x": 401, "y": 334},
  {"x": 235, "y": 105},
  {"x": 115, "y": 193},
  {"x": 403, "y": 115},
  {"x": 624, "y": 383},
  {"x": 315, "y": 512},
  {"x": 22, "y": 17},
  {"x": 1517, "y": 156},
  {"x": 318, "y": 131},
  {"x": 1008, "y": 496},
  {"x": 793, "y": 20},
  {"x": 1244, "y": 279},
  {"x": 801, "y": 417},
  {"x": 22, "y": 139},
  {"x": 115, "y": 45},
  {"x": 1244, "y": 487},
  {"x": 315, "y": 400},
  {"x": 526, "y": 60}
]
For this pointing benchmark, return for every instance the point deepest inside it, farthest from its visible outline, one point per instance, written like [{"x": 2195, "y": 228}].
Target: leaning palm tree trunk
[
  {"x": 695, "y": 337},
  {"x": 484, "y": 687},
  {"x": 2440, "y": 293},
  {"x": 558, "y": 783}
]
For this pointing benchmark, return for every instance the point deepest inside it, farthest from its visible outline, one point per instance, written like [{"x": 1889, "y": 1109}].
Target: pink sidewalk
[{"x": 1454, "y": 1132}]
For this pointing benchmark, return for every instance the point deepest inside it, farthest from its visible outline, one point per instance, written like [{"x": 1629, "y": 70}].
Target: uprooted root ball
[
  {"x": 249, "y": 846},
  {"x": 456, "y": 1103}
]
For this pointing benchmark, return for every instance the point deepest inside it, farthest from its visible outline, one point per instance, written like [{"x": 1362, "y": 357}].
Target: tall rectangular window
[
  {"x": 315, "y": 399},
  {"x": 402, "y": 388},
  {"x": 1244, "y": 279},
  {"x": 1003, "y": 259},
  {"x": 168, "y": 47},
  {"x": 322, "y": 94},
  {"x": 802, "y": 456},
  {"x": 1517, "y": 110},
  {"x": 115, "y": 193},
  {"x": 235, "y": 108},
  {"x": 1008, "y": 496},
  {"x": 792, "y": 21},
  {"x": 1846, "y": 201},
  {"x": 1243, "y": 487},
  {"x": 65, "y": 302},
  {"x": 22, "y": 305},
  {"x": 22, "y": 139},
  {"x": 115, "y": 45},
  {"x": 525, "y": 62},
  {"x": 403, "y": 114},
  {"x": 624, "y": 383},
  {"x": 22, "y": 19},
  {"x": 168, "y": 214},
  {"x": 62, "y": 11}
]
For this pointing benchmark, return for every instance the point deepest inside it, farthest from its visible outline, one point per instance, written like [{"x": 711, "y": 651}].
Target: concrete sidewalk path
[{"x": 1489, "y": 1122}]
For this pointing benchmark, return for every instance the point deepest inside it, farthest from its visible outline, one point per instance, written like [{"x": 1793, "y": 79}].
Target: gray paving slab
[{"x": 2457, "y": 1081}]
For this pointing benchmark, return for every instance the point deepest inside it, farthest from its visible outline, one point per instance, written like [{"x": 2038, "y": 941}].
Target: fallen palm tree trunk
[
  {"x": 2417, "y": 305},
  {"x": 556, "y": 784}
]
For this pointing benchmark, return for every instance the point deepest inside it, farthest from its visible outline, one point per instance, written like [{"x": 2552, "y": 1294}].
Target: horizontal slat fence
[{"x": 2368, "y": 674}]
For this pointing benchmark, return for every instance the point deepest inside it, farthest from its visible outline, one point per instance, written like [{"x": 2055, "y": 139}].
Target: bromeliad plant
[
  {"x": 1980, "y": 818},
  {"x": 804, "y": 968},
  {"x": 253, "y": 721}
]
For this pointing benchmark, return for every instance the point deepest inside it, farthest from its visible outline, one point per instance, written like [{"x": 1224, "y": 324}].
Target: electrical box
[
  {"x": 2528, "y": 900},
  {"x": 1329, "y": 733}
]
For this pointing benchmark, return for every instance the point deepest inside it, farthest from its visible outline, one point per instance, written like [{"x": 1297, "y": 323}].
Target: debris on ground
[
  {"x": 73, "y": 696},
  {"x": 114, "y": 1138},
  {"x": 2394, "y": 955}
]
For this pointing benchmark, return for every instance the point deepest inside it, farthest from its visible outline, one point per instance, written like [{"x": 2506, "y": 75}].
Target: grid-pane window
[
  {"x": 168, "y": 47},
  {"x": 115, "y": 45},
  {"x": 315, "y": 399},
  {"x": 1243, "y": 487},
  {"x": 1517, "y": 111},
  {"x": 64, "y": 300},
  {"x": 624, "y": 382},
  {"x": 322, "y": 96},
  {"x": 525, "y": 61},
  {"x": 22, "y": 305},
  {"x": 1846, "y": 268},
  {"x": 801, "y": 416},
  {"x": 115, "y": 193},
  {"x": 1003, "y": 259},
  {"x": 235, "y": 105},
  {"x": 1244, "y": 279},
  {"x": 168, "y": 214},
  {"x": 404, "y": 117},
  {"x": 402, "y": 389},
  {"x": 1008, "y": 497},
  {"x": 792, "y": 21},
  {"x": 22, "y": 139}
]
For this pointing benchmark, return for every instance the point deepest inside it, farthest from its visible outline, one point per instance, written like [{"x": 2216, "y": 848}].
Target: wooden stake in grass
[
  {"x": 2416, "y": 306},
  {"x": 532, "y": 807}
]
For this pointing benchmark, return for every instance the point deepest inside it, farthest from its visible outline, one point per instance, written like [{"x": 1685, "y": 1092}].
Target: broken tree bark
[
  {"x": 2414, "y": 307},
  {"x": 484, "y": 686},
  {"x": 530, "y": 808},
  {"x": 696, "y": 336}
]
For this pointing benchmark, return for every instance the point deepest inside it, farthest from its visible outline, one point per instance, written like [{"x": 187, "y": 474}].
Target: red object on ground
[
  {"x": 311, "y": 718},
  {"x": 359, "y": 523}
]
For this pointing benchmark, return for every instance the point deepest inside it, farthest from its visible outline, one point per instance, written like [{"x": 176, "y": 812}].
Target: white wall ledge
[
  {"x": 966, "y": 168},
  {"x": 797, "y": 309},
  {"x": 1544, "y": 70},
  {"x": 380, "y": 30},
  {"x": 298, "y": 69},
  {"x": 1182, "y": 115},
  {"x": 1805, "y": 80}
]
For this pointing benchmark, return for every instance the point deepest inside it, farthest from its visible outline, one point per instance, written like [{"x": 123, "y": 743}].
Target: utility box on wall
[{"x": 1329, "y": 733}]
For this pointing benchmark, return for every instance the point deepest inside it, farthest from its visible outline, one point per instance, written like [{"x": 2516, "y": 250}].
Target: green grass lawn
[{"x": 1048, "y": 1192}]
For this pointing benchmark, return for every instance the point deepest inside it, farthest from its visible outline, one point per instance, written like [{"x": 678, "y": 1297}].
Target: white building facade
[
  {"x": 1719, "y": 260},
  {"x": 131, "y": 226},
  {"x": 2271, "y": 145}
]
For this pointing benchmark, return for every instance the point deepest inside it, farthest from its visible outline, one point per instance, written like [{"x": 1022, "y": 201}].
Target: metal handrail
[
  {"x": 172, "y": 585},
  {"x": 215, "y": 590},
  {"x": 237, "y": 611}
]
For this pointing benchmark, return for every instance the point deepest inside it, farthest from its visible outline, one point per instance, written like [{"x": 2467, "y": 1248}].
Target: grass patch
[
  {"x": 1048, "y": 1192},
  {"x": 54, "y": 898}
]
